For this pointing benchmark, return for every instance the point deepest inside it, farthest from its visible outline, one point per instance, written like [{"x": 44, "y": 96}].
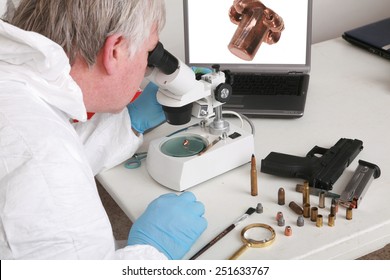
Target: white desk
[{"x": 349, "y": 97}]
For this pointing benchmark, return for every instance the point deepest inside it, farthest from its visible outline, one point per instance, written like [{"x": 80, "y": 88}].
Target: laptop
[
  {"x": 373, "y": 37},
  {"x": 266, "y": 42}
]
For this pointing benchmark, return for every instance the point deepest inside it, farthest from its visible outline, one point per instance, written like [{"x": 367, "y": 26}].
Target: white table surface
[{"x": 349, "y": 97}]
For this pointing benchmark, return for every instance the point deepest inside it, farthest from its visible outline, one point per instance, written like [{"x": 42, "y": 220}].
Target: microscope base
[{"x": 181, "y": 173}]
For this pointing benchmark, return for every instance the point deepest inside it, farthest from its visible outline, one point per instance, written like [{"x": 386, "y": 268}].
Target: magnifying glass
[{"x": 255, "y": 236}]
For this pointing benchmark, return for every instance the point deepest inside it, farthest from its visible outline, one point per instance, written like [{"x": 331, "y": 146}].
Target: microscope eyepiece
[{"x": 163, "y": 60}]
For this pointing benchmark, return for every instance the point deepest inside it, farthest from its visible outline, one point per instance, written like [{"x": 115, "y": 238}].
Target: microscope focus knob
[
  {"x": 216, "y": 67},
  {"x": 223, "y": 92}
]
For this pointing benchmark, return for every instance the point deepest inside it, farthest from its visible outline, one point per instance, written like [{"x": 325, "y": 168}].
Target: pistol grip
[{"x": 287, "y": 166}]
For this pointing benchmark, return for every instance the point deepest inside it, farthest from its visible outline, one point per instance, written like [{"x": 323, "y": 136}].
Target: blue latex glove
[
  {"x": 171, "y": 224},
  {"x": 201, "y": 70},
  {"x": 145, "y": 112}
]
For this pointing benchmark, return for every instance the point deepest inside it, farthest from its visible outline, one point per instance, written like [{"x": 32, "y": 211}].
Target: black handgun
[{"x": 320, "y": 171}]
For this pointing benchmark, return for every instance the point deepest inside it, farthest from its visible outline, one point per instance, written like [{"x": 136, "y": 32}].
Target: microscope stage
[{"x": 191, "y": 157}]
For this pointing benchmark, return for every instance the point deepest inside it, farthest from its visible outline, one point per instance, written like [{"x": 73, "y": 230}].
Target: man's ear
[{"x": 112, "y": 52}]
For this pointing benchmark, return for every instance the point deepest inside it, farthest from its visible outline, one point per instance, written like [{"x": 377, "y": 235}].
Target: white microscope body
[{"x": 204, "y": 150}]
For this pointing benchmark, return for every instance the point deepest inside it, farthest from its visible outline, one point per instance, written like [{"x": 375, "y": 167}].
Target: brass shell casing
[
  {"x": 305, "y": 193},
  {"x": 348, "y": 214},
  {"x": 319, "y": 221},
  {"x": 306, "y": 210},
  {"x": 313, "y": 214},
  {"x": 333, "y": 210},
  {"x": 331, "y": 220},
  {"x": 321, "y": 203}
]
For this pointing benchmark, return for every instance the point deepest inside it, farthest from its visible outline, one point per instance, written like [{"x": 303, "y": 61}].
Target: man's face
[
  {"x": 136, "y": 66},
  {"x": 113, "y": 92}
]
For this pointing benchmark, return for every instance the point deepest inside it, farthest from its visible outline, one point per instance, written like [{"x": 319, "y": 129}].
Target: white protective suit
[{"x": 49, "y": 204}]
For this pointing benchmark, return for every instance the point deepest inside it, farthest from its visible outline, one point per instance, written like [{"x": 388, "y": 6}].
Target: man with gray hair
[{"x": 58, "y": 61}]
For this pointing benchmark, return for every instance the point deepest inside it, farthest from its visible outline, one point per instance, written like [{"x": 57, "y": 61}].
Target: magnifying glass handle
[{"x": 239, "y": 252}]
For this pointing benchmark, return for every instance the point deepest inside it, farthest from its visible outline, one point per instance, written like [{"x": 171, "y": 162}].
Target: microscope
[{"x": 205, "y": 149}]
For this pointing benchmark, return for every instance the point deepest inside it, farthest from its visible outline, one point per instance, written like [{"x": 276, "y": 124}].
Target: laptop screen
[{"x": 248, "y": 35}]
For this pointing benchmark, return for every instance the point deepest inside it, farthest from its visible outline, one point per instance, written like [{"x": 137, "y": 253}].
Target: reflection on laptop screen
[{"x": 248, "y": 35}]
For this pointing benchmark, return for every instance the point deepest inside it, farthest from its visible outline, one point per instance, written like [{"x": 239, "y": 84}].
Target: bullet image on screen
[{"x": 256, "y": 24}]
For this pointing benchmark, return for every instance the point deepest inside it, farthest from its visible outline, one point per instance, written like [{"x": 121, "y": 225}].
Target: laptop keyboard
[{"x": 252, "y": 84}]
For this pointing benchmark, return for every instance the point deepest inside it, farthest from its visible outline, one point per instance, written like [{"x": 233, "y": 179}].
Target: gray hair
[
  {"x": 10, "y": 9},
  {"x": 82, "y": 26}
]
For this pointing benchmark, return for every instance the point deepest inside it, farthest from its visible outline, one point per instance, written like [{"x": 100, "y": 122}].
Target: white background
[{"x": 330, "y": 19}]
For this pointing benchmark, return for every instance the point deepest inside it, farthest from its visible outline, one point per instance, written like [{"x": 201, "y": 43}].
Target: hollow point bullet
[
  {"x": 279, "y": 215},
  {"x": 288, "y": 231}
]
